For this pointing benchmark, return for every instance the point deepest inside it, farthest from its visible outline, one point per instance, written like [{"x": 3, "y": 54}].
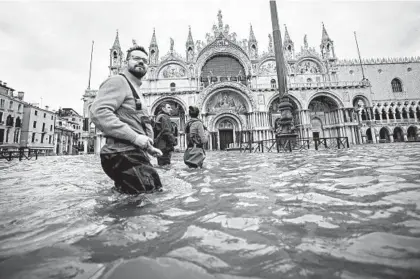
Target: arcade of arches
[{"x": 230, "y": 120}]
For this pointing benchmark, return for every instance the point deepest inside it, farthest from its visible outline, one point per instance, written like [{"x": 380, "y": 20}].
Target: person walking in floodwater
[
  {"x": 196, "y": 137},
  {"x": 120, "y": 113},
  {"x": 165, "y": 139}
]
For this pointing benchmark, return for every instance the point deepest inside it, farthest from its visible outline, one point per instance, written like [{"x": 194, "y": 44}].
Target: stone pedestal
[{"x": 286, "y": 131}]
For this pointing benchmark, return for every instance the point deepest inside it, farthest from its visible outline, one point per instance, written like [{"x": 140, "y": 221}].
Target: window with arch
[
  {"x": 172, "y": 86},
  {"x": 273, "y": 83},
  {"x": 396, "y": 85},
  {"x": 115, "y": 55}
]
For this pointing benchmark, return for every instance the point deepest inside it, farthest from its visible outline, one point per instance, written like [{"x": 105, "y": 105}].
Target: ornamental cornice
[
  {"x": 216, "y": 87},
  {"x": 170, "y": 93}
]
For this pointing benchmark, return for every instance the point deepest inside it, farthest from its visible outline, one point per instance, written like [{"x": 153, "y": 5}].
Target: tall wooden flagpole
[
  {"x": 285, "y": 132},
  {"x": 90, "y": 67}
]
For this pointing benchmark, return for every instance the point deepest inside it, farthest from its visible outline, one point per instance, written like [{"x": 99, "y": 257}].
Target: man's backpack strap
[{"x": 131, "y": 86}]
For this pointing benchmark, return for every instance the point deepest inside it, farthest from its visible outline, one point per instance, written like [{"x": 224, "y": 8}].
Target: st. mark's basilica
[{"x": 234, "y": 84}]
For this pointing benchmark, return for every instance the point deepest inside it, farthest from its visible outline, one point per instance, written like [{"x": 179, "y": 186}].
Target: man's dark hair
[
  {"x": 163, "y": 105},
  {"x": 133, "y": 48},
  {"x": 193, "y": 111}
]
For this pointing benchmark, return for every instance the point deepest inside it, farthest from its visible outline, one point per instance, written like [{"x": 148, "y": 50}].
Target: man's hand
[{"x": 143, "y": 141}]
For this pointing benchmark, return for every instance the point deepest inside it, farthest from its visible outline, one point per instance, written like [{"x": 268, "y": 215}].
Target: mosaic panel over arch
[
  {"x": 331, "y": 97},
  {"x": 225, "y": 50},
  {"x": 172, "y": 71},
  {"x": 308, "y": 66},
  {"x": 233, "y": 86},
  {"x": 226, "y": 100},
  {"x": 268, "y": 68}
]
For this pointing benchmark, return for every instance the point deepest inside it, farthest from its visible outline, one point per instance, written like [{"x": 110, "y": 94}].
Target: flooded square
[{"x": 351, "y": 213}]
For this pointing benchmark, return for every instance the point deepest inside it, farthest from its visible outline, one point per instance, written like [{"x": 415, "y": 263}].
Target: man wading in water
[
  {"x": 165, "y": 139},
  {"x": 119, "y": 112}
]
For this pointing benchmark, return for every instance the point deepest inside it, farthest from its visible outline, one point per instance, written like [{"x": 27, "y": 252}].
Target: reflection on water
[{"x": 332, "y": 214}]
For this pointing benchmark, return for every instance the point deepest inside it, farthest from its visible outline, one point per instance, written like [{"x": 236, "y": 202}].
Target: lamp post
[{"x": 286, "y": 131}]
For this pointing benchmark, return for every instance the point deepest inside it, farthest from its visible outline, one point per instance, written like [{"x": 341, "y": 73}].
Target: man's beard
[{"x": 136, "y": 73}]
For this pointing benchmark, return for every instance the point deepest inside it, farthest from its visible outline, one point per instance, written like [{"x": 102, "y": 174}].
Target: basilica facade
[{"x": 234, "y": 84}]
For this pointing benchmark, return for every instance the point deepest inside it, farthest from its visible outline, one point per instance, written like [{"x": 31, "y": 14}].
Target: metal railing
[
  {"x": 275, "y": 145},
  {"x": 331, "y": 143},
  {"x": 22, "y": 153}
]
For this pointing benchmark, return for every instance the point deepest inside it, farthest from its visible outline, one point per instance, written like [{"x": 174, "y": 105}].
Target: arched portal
[
  {"x": 325, "y": 110},
  {"x": 178, "y": 118},
  {"x": 384, "y": 134},
  {"x": 398, "y": 134},
  {"x": 412, "y": 133},
  {"x": 369, "y": 135},
  {"x": 274, "y": 112},
  {"x": 317, "y": 130},
  {"x": 226, "y": 129}
]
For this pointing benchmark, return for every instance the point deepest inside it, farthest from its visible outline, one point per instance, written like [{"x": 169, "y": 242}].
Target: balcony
[
  {"x": 391, "y": 121},
  {"x": 316, "y": 85},
  {"x": 257, "y": 87}
]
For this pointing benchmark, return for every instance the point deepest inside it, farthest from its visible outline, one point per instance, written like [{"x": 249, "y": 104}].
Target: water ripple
[{"x": 333, "y": 214}]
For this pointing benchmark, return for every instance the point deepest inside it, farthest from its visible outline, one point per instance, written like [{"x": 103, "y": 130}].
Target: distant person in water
[
  {"x": 119, "y": 112},
  {"x": 165, "y": 138},
  {"x": 196, "y": 137}
]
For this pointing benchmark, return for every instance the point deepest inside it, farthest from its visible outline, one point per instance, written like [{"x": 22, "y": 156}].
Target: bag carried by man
[{"x": 194, "y": 155}]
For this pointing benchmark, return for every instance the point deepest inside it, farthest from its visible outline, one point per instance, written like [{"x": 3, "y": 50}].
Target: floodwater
[{"x": 329, "y": 214}]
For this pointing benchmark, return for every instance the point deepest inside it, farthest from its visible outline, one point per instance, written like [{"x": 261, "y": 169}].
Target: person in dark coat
[
  {"x": 165, "y": 139},
  {"x": 196, "y": 137}
]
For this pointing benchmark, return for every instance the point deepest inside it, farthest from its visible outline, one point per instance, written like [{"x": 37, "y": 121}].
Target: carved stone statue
[
  {"x": 232, "y": 37},
  {"x": 172, "y": 45},
  {"x": 199, "y": 45},
  {"x": 134, "y": 43},
  {"x": 190, "y": 56},
  {"x": 219, "y": 19},
  {"x": 270, "y": 43},
  {"x": 305, "y": 41}
]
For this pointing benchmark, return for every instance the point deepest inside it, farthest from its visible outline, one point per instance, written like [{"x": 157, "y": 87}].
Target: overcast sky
[{"x": 45, "y": 46}]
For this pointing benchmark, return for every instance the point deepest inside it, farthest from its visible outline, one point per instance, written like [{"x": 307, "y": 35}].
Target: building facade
[
  {"x": 74, "y": 121},
  {"x": 63, "y": 137},
  {"x": 11, "y": 117},
  {"x": 234, "y": 84},
  {"x": 38, "y": 129}
]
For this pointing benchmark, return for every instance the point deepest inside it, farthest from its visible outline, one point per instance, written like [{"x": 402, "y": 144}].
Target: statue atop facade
[
  {"x": 270, "y": 43},
  {"x": 305, "y": 41},
  {"x": 219, "y": 19},
  {"x": 172, "y": 45}
]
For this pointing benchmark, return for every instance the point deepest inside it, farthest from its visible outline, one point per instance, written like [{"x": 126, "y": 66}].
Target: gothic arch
[
  {"x": 397, "y": 85},
  {"x": 390, "y": 131},
  {"x": 159, "y": 100},
  {"x": 213, "y": 121},
  {"x": 207, "y": 54},
  {"x": 403, "y": 129},
  {"x": 275, "y": 96},
  {"x": 364, "y": 99},
  {"x": 329, "y": 94},
  {"x": 215, "y": 88}
]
